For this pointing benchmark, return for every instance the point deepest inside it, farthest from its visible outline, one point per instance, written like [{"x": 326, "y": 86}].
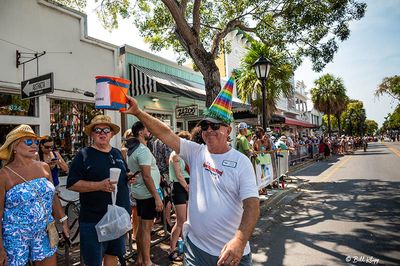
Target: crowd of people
[
  {"x": 213, "y": 187},
  {"x": 317, "y": 147},
  {"x": 178, "y": 161}
]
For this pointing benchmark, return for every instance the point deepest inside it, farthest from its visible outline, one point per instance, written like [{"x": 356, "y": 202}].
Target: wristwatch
[{"x": 63, "y": 219}]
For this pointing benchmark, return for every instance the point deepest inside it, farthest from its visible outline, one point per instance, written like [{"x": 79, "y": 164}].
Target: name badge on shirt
[{"x": 229, "y": 163}]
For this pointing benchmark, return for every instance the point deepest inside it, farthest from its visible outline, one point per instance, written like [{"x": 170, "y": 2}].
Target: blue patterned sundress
[{"x": 25, "y": 221}]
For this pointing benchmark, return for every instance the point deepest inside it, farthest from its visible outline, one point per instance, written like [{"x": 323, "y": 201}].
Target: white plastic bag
[{"x": 115, "y": 223}]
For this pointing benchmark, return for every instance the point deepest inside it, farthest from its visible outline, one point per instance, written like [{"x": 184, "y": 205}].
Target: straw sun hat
[
  {"x": 19, "y": 132},
  {"x": 101, "y": 119}
]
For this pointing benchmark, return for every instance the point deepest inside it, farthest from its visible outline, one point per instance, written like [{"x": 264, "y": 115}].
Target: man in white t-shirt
[{"x": 223, "y": 198}]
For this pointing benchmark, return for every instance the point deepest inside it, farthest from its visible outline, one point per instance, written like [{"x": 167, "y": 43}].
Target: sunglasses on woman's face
[
  {"x": 98, "y": 130},
  {"x": 48, "y": 147},
  {"x": 29, "y": 142},
  {"x": 214, "y": 126}
]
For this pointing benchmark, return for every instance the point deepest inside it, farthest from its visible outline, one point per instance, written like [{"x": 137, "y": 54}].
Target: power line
[
  {"x": 18, "y": 45},
  {"x": 55, "y": 52}
]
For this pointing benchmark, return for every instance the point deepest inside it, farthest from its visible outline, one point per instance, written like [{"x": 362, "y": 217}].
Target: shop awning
[
  {"x": 145, "y": 81},
  {"x": 295, "y": 122}
]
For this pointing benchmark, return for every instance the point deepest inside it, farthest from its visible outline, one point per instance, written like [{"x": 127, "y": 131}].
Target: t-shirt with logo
[
  {"x": 218, "y": 185},
  {"x": 143, "y": 156}
]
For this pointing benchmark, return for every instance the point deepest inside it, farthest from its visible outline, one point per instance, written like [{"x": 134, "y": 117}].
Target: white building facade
[{"x": 56, "y": 40}]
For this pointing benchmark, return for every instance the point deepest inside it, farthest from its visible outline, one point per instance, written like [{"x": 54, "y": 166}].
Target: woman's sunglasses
[
  {"x": 214, "y": 126},
  {"x": 98, "y": 130},
  {"x": 29, "y": 142}
]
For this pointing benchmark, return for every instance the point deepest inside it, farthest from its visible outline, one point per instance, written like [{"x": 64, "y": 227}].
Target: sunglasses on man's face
[
  {"x": 29, "y": 142},
  {"x": 98, "y": 130},
  {"x": 214, "y": 126}
]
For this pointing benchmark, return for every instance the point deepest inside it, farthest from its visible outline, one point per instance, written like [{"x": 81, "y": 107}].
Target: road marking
[
  {"x": 335, "y": 168},
  {"x": 394, "y": 150}
]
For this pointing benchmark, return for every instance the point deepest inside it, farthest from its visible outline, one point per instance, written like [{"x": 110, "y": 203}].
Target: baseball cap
[{"x": 242, "y": 125}]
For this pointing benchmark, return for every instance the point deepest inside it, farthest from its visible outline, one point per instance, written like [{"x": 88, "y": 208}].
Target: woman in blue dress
[{"x": 27, "y": 202}]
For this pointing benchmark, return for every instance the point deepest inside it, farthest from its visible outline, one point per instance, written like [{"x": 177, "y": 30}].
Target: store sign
[
  {"x": 187, "y": 111},
  {"x": 37, "y": 86}
]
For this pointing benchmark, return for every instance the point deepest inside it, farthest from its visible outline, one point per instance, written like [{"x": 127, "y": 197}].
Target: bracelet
[{"x": 63, "y": 219}]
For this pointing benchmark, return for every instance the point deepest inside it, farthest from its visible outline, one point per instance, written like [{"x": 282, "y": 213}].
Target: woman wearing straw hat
[
  {"x": 89, "y": 174},
  {"x": 27, "y": 202}
]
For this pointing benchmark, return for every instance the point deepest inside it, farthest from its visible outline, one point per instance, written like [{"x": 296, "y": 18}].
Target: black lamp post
[{"x": 262, "y": 66}]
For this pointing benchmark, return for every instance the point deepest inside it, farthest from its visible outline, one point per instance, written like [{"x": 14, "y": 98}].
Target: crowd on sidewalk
[
  {"x": 207, "y": 177},
  {"x": 150, "y": 168}
]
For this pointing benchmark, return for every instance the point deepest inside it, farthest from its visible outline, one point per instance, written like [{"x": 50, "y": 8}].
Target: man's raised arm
[{"x": 155, "y": 126}]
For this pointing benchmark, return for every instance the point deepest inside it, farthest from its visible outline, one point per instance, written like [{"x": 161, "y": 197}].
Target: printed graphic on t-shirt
[{"x": 213, "y": 171}]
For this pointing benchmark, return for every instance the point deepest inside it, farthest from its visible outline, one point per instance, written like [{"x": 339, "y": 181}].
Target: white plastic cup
[{"x": 114, "y": 174}]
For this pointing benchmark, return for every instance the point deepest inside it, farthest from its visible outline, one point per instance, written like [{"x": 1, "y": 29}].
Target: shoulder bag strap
[{"x": 34, "y": 189}]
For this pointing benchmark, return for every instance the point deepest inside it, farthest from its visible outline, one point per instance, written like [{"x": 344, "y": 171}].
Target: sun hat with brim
[
  {"x": 20, "y": 131},
  {"x": 101, "y": 119}
]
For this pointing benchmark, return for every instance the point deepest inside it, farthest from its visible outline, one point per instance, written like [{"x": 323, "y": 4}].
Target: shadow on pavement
[
  {"x": 368, "y": 153},
  {"x": 319, "y": 167},
  {"x": 375, "y": 203}
]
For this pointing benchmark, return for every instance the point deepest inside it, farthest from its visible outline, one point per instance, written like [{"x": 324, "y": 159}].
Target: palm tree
[
  {"x": 327, "y": 95},
  {"x": 339, "y": 109},
  {"x": 278, "y": 82}
]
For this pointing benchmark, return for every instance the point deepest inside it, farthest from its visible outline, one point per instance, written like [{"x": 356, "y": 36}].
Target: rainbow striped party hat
[{"x": 221, "y": 108}]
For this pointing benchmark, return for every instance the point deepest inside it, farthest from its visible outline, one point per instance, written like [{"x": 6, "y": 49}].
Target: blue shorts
[
  {"x": 195, "y": 256},
  {"x": 92, "y": 250},
  {"x": 26, "y": 243}
]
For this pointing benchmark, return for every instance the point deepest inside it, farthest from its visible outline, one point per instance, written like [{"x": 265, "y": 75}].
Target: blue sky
[{"x": 371, "y": 53}]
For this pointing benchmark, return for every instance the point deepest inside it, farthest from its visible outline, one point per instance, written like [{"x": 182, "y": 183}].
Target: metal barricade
[{"x": 299, "y": 154}]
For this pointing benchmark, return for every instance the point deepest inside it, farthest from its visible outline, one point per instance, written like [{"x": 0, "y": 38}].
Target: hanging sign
[
  {"x": 187, "y": 111},
  {"x": 37, "y": 86}
]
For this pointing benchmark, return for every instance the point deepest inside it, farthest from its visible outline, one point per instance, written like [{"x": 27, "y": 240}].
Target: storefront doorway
[{"x": 67, "y": 121}]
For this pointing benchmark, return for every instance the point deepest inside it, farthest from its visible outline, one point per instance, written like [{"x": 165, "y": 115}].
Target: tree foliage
[
  {"x": 354, "y": 118},
  {"x": 390, "y": 86},
  {"x": 371, "y": 127},
  {"x": 196, "y": 28},
  {"x": 278, "y": 82},
  {"x": 392, "y": 121},
  {"x": 334, "y": 122},
  {"x": 329, "y": 93}
]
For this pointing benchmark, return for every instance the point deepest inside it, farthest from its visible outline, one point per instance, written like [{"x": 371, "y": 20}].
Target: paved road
[{"x": 350, "y": 211}]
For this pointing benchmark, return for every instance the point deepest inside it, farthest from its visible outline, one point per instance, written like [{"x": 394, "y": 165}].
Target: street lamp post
[{"x": 262, "y": 67}]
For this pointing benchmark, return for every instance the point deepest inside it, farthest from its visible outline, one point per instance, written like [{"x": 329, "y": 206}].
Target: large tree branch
[
  {"x": 209, "y": 26},
  {"x": 196, "y": 16},
  {"x": 230, "y": 26},
  {"x": 183, "y": 6},
  {"x": 181, "y": 24}
]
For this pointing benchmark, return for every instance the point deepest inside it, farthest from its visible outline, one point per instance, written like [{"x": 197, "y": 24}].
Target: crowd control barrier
[{"x": 270, "y": 167}]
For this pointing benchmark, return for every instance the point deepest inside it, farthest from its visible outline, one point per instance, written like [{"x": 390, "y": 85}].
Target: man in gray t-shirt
[{"x": 145, "y": 190}]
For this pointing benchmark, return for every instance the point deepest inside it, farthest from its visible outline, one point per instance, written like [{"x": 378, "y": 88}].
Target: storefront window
[
  {"x": 67, "y": 121},
  {"x": 166, "y": 118},
  {"x": 5, "y": 129},
  {"x": 11, "y": 104}
]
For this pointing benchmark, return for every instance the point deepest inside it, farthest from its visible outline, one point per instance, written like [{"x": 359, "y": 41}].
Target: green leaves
[
  {"x": 278, "y": 81},
  {"x": 328, "y": 96},
  {"x": 293, "y": 29},
  {"x": 390, "y": 86}
]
